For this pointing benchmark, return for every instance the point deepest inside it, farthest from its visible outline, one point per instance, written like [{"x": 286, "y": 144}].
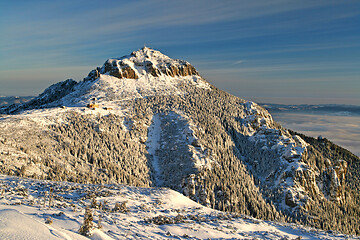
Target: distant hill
[{"x": 6, "y": 101}]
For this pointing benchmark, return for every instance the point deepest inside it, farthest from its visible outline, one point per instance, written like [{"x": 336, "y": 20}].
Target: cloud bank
[{"x": 342, "y": 130}]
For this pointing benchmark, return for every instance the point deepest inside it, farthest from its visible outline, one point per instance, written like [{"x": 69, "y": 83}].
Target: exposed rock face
[
  {"x": 334, "y": 181},
  {"x": 142, "y": 62},
  {"x": 305, "y": 186},
  {"x": 119, "y": 69},
  {"x": 149, "y": 67},
  {"x": 145, "y": 61},
  {"x": 94, "y": 74},
  {"x": 183, "y": 70}
]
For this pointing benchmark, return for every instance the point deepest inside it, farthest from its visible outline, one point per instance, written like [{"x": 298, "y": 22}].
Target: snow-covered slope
[
  {"x": 31, "y": 209},
  {"x": 148, "y": 120}
]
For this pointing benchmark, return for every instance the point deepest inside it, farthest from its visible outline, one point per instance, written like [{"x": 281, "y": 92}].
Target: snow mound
[{"x": 16, "y": 225}]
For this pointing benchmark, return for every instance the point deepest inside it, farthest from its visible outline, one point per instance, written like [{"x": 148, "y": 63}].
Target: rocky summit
[{"x": 148, "y": 120}]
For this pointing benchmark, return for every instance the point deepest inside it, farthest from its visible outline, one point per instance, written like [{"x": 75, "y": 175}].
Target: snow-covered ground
[
  {"x": 153, "y": 143},
  {"x": 31, "y": 209}
]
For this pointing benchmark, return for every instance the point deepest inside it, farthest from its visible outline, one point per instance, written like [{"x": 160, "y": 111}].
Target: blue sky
[{"x": 274, "y": 51}]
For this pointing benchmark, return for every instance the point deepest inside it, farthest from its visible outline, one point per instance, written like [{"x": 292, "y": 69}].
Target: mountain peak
[
  {"x": 145, "y": 72},
  {"x": 148, "y": 54},
  {"x": 144, "y": 62}
]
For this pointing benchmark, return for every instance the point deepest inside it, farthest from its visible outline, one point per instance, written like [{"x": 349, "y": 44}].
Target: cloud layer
[{"x": 342, "y": 130}]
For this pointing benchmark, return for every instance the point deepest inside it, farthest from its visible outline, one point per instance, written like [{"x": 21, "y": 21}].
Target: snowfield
[{"x": 32, "y": 209}]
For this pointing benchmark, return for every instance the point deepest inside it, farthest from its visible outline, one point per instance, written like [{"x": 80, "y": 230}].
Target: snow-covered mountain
[
  {"x": 141, "y": 74},
  {"x": 148, "y": 120}
]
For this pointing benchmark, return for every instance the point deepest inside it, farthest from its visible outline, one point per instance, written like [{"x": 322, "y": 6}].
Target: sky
[{"x": 268, "y": 51}]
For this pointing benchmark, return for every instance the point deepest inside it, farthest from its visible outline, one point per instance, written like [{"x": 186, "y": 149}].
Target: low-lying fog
[{"x": 340, "y": 127}]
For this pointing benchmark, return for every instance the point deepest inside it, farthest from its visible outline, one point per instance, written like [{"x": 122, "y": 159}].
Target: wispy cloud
[
  {"x": 239, "y": 62},
  {"x": 294, "y": 67},
  {"x": 230, "y": 37},
  {"x": 39, "y": 28}
]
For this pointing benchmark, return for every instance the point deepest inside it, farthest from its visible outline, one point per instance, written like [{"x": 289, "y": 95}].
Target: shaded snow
[
  {"x": 153, "y": 143},
  {"x": 17, "y": 225}
]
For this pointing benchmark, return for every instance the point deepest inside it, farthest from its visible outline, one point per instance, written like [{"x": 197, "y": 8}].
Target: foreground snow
[{"x": 149, "y": 213}]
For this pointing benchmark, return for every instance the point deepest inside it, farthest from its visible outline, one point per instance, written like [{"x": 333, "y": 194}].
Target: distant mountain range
[
  {"x": 9, "y": 100},
  {"x": 332, "y": 109},
  {"x": 151, "y": 121}
]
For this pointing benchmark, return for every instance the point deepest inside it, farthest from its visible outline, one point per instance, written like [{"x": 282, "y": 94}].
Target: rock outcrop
[
  {"x": 119, "y": 69},
  {"x": 141, "y": 62},
  {"x": 334, "y": 181}
]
